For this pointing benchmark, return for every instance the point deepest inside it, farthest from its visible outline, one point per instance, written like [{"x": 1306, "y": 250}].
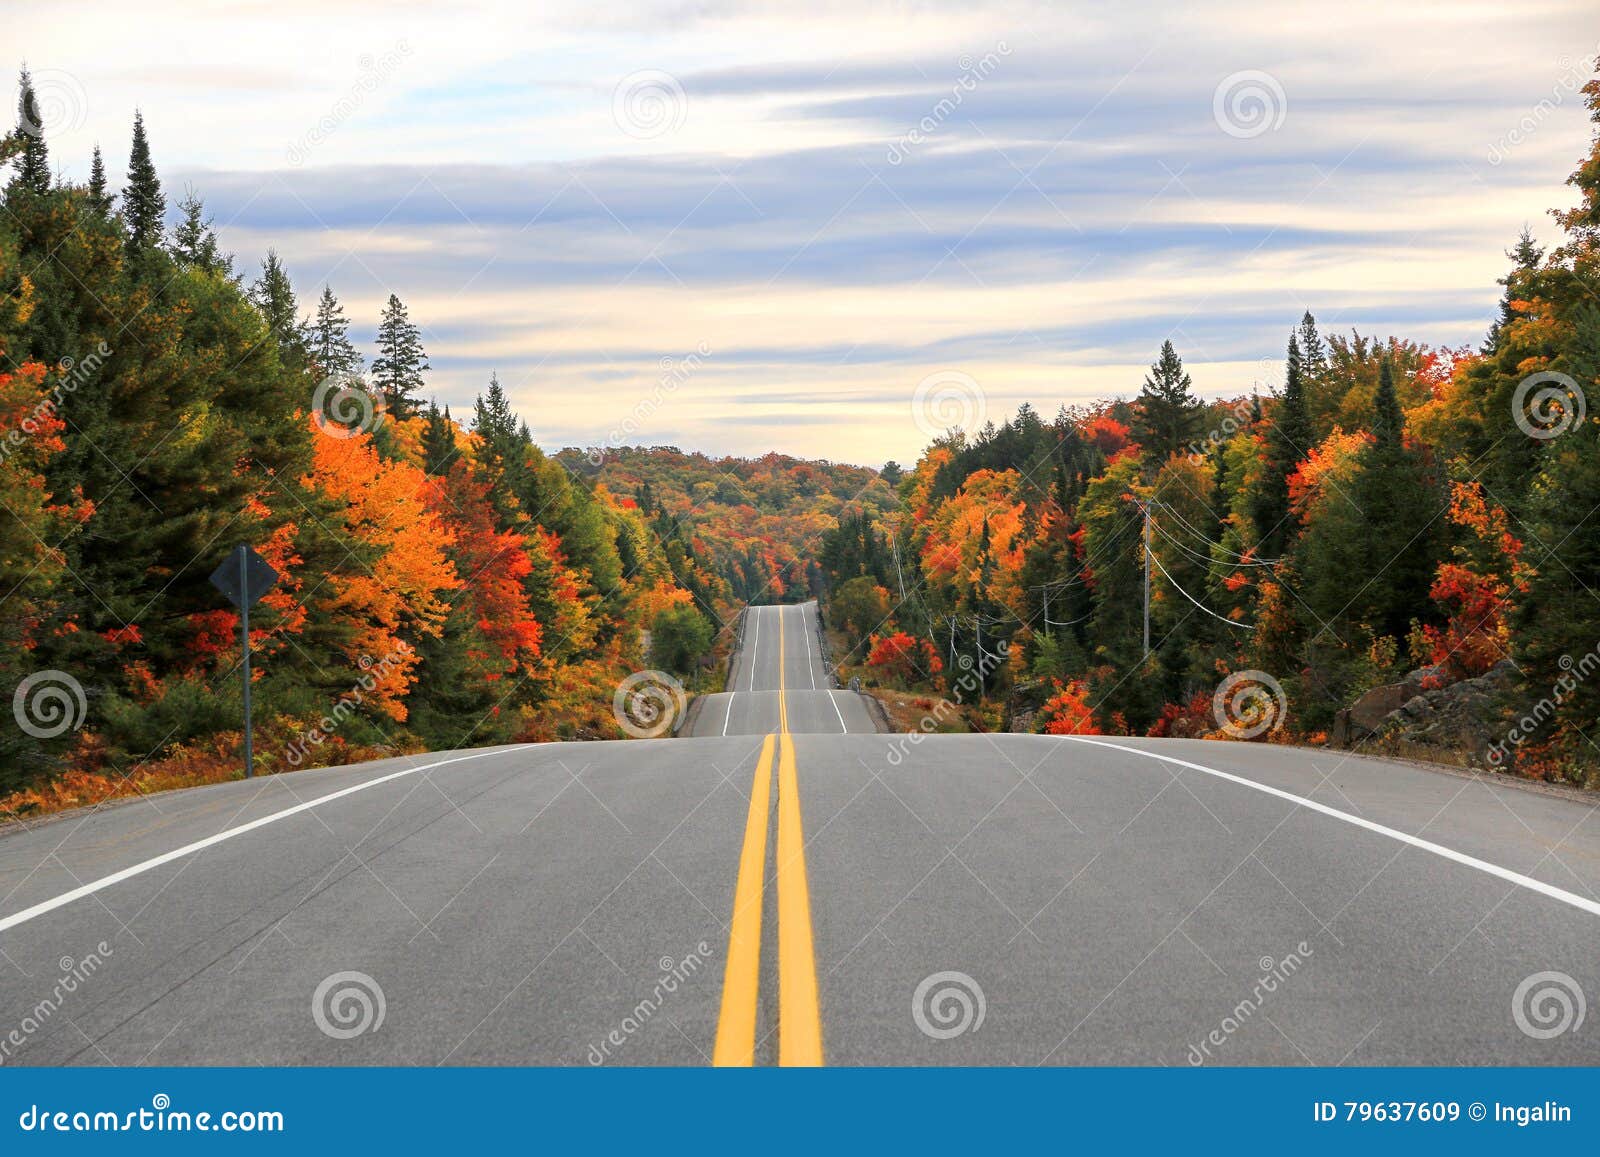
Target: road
[
  {"x": 780, "y": 657},
  {"x": 812, "y": 893}
]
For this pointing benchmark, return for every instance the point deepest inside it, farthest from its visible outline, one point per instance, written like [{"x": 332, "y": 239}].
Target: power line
[{"x": 1197, "y": 602}]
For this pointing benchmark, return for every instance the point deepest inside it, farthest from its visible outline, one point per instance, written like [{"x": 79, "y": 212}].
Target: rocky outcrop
[{"x": 1462, "y": 716}]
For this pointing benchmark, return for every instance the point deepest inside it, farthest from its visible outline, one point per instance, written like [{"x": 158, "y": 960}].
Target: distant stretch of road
[
  {"x": 779, "y": 657},
  {"x": 786, "y": 887}
]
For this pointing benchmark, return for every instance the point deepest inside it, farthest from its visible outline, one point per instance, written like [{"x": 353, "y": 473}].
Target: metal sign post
[{"x": 244, "y": 577}]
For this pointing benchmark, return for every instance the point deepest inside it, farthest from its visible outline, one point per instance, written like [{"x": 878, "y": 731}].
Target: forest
[
  {"x": 1392, "y": 514},
  {"x": 443, "y": 582}
]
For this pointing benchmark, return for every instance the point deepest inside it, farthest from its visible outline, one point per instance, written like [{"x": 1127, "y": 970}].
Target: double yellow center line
[{"x": 799, "y": 1018}]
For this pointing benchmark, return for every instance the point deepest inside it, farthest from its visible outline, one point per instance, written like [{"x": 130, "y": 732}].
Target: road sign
[{"x": 244, "y": 577}]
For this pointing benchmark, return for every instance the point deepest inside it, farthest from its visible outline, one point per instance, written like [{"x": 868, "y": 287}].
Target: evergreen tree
[
  {"x": 274, "y": 296},
  {"x": 194, "y": 244},
  {"x": 1525, "y": 258},
  {"x": 331, "y": 348},
  {"x": 1289, "y": 439},
  {"x": 1167, "y": 412},
  {"x": 438, "y": 440},
  {"x": 397, "y": 370},
  {"x": 99, "y": 198},
  {"x": 33, "y": 165},
  {"x": 144, "y": 207}
]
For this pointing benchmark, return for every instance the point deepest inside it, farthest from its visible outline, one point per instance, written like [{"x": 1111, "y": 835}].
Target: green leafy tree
[
  {"x": 679, "y": 638},
  {"x": 332, "y": 351}
]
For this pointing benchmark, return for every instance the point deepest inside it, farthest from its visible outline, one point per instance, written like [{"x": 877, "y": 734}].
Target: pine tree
[
  {"x": 1525, "y": 257},
  {"x": 33, "y": 167},
  {"x": 143, "y": 205},
  {"x": 438, "y": 440},
  {"x": 397, "y": 370},
  {"x": 99, "y": 198},
  {"x": 1289, "y": 439},
  {"x": 194, "y": 244},
  {"x": 274, "y": 296},
  {"x": 1168, "y": 413},
  {"x": 331, "y": 348}
]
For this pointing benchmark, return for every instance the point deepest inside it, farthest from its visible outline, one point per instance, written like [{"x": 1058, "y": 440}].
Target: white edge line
[
  {"x": 755, "y": 648},
  {"x": 729, "y": 714},
  {"x": 842, "y": 728},
  {"x": 1550, "y": 890},
  {"x": 128, "y": 873}
]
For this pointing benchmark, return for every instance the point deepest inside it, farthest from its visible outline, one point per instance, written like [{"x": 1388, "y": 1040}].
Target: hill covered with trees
[
  {"x": 442, "y": 583},
  {"x": 1395, "y": 511}
]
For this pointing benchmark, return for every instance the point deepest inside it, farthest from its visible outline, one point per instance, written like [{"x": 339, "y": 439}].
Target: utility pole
[
  {"x": 1046, "y": 608},
  {"x": 1145, "y": 507},
  {"x": 894, "y": 545}
]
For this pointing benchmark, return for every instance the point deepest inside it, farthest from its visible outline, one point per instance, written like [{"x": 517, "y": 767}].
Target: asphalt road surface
[{"x": 799, "y": 890}]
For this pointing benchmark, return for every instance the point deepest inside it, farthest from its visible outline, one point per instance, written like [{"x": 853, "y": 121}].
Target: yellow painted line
[
  {"x": 799, "y": 1015},
  {"x": 783, "y": 705},
  {"x": 741, "y": 982}
]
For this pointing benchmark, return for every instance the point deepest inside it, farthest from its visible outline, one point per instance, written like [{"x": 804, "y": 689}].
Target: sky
[{"x": 832, "y": 230}]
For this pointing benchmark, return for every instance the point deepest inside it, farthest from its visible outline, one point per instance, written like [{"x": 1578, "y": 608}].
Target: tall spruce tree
[
  {"x": 1525, "y": 257},
  {"x": 331, "y": 348},
  {"x": 144, "y": 207},
  {"x": 398, "y": 368},
  {"x": 274, "y": 296},
  {"x": 33, "y": 164},
  {"x": 194, "y": 243},
  {"x": 1167, "y": 412},
  {"x": 99, "y": 198},
  {"x": 1289, "y": 439}
]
